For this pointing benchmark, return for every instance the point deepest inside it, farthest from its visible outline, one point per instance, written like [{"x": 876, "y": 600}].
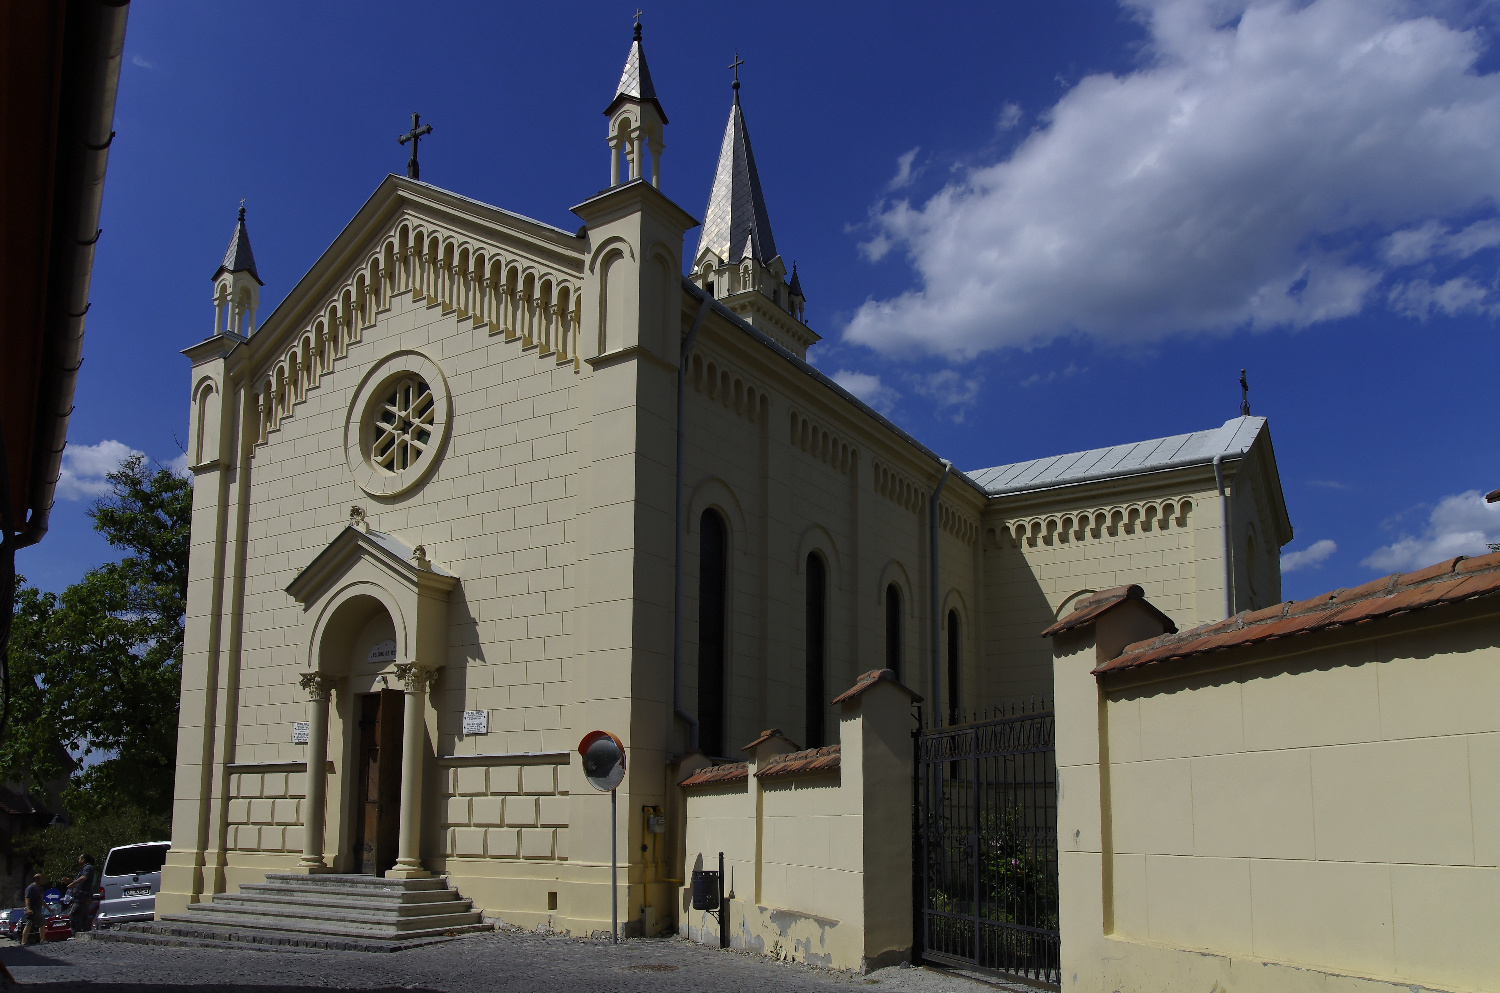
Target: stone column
[
  {"x": 319, "y": 687},
  {"x": 416, "y": 679}
]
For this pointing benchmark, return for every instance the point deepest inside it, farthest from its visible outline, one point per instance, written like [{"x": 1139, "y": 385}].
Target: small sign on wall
[
  {"x": 476, "y": 722},
  {"x": 383, "y": 651},
  {"x": 299, "y": 733}
]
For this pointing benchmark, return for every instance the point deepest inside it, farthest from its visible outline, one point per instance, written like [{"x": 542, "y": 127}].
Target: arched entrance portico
[{"x": 376, "y": 613}]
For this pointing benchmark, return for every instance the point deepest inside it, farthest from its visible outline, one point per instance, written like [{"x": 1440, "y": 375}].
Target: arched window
[
  {"x": 817, "y": 592},
  {"x": 953, "y": 634},
  {"x": 713, "y": 557},
  {"x": 893, "y": 629}
]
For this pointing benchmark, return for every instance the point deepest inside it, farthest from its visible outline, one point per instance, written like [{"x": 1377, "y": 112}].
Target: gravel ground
[{"x": 509, "y": 960}]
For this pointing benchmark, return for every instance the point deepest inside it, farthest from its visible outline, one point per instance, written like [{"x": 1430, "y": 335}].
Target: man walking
[
  {"x": 36, "y": 913},
  {"x": 82, "y": 888}
]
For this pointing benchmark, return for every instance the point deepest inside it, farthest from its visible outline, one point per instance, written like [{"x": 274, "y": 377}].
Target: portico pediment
[
  {"x": 360, "y": 572},
  {"x": 401, "y": 564}
]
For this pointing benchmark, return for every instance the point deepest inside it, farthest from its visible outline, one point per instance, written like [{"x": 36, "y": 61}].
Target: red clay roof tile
[
  {"x": 1094, "y": 606},
  {"x": 1381, "y": 585},
  {"x": 766, "y": 736},
  {"x": 869, "y": 679},
  {"x": 825, "y": 759},
  {"x": 729, "y": 772},
  {"x": 1446, "y": 582},
  {"x": 1431, "y": 572},
  {"x": 1482, "y": 562}
]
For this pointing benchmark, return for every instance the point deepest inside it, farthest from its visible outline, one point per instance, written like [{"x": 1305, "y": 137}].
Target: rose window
[{"x": 403, "y": 425}]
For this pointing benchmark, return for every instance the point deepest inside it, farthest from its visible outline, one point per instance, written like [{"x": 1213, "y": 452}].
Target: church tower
[
  {"x": 635, "y": 120},
  {"x": 736, "y": 260},
  {"x": 237, "y": 286}
]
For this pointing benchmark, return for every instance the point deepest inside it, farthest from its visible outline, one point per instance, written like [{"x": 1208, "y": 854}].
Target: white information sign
[
  {"x": 383, "y": 652},
  {"x": 299, "y": 733},
  {"x": 476, "y": 722}
]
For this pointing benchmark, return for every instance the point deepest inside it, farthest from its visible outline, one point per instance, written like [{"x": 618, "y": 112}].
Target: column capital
[
  {"x": 319, "y": 685},
  {"x": 416, "y": 678}
]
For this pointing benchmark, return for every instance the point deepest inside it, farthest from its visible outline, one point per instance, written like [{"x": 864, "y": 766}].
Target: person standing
[
  {"x": 82, "y": 889},
  {"x": 36, "y": 912}
]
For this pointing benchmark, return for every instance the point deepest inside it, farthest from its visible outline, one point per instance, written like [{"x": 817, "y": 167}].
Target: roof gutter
[{"x": 91, "y": 80}]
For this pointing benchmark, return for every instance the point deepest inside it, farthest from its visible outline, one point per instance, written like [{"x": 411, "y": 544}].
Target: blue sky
[{"x": 1024, "y": 228}]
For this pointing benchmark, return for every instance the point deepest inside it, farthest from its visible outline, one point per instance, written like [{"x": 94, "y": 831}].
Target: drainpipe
[
  {"x": 1224, "y": 537},
  {"x": 937, "y": 635},
  {"x": 677, "y": 708}
]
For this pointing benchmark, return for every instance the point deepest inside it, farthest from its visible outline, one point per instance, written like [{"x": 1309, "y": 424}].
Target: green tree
[{"x": 98, "y": 668}]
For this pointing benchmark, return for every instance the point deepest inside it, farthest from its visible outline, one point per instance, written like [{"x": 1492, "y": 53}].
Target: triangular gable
[
  {"x": 395, "y": 201},
  {"x": 352, "y": 546}
]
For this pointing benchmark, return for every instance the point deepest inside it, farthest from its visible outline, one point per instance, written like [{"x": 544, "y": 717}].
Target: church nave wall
[{"x": 1041, "y": 553}]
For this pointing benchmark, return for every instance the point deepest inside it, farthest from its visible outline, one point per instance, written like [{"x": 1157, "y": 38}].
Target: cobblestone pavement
[{"x": 506, "y": 961}]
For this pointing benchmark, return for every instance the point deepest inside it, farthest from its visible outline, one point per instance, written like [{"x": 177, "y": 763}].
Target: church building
[{"x": 480, "y": 485}]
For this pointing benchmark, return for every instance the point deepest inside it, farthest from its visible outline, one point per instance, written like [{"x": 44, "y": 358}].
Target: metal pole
[
  {"x": 723, "y": 911},
  {"x": 614, "y": 863}
]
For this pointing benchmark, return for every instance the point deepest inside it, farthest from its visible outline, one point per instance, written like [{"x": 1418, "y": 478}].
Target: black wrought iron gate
[{"x": 986, "y": 839}]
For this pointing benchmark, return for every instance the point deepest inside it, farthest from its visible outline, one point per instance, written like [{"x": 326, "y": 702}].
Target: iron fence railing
[{"x": 986, "y": 836}]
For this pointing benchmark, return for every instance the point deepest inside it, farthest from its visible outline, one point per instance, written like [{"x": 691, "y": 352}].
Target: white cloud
[
  {"x": 1053, "y": 375},
  {"x": 136, "y": 60},
  {"x": 1311, "y": 557},
  {"x": 868, "y": 388},
  {"x": 179, "y": 466},
  {"x": 1010, "y": 116},
  {"x": 904, "y": 174},
  {"x": 1270, "y": 164},
  {"x": 953, "y": 393},
  {"x": 85, "y": 466},
  {"x": 1462, "y": 524}
]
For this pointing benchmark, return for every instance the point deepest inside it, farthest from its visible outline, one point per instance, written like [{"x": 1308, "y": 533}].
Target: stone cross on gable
[{"x": 413, "y": 171}]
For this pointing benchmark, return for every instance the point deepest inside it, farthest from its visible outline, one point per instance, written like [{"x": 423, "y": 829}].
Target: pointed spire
[
  {"x": 635, "y": 81},
  {"x": 239, "y": 258},
  {"x": 796, "y": 286},
  {"x": 736, "y": 223}
]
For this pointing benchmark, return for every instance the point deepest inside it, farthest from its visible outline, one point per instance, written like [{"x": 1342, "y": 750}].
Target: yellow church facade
[{"x": 480, "y": 485}]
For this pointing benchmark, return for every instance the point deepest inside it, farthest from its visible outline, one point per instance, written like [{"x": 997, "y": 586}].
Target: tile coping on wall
[
  {"x": 1088, "y": 609},
  {"x": 1450, "y": 581}
]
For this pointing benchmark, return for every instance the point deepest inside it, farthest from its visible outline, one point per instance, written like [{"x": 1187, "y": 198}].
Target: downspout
[
  {"x": 1224, "y": 537},
  {"x": 937, "y": 636},
  {"x": 677, "y": 708}
]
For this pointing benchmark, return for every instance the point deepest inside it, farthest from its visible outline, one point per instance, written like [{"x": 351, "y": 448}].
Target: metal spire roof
[
  {"x": 736, "y": 223},
  {"x": 635, "y": 81},
  {"x": 239, "y": 258},
  {"x": 796, "y": 287},
  {"x": 1197, "y": 448}
]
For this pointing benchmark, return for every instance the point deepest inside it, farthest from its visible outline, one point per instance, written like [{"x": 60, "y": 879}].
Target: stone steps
[{"x": 348, "y": 912}]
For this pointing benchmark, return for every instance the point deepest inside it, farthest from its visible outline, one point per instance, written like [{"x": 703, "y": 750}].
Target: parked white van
[{"x": 132, "y": 875}]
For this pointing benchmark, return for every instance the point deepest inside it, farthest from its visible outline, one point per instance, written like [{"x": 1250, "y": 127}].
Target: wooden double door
[{"x": 377, "y": 806}]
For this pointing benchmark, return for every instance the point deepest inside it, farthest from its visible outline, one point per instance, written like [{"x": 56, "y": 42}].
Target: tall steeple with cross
[
  {"x": 636, "y": 119},
  {"x": 736, "y": 258}
]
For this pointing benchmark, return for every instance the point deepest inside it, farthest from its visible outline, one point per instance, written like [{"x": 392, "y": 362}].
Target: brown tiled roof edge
[
  {"x": 766, "y": 736},
  {"x": 869, "y": 679},
  {"x": 1451, "y": 581},
  {"x": 809, "y": 760},
  {"x": 729, "y": 772},
  {"x": 1093, "y": 606}
]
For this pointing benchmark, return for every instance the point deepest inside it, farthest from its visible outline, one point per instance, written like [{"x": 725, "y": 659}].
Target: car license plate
[{"x": 137, "y": 891}]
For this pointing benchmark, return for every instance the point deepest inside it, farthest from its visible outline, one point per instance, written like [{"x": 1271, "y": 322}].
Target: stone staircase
[{"x": 289, "y": 910}]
